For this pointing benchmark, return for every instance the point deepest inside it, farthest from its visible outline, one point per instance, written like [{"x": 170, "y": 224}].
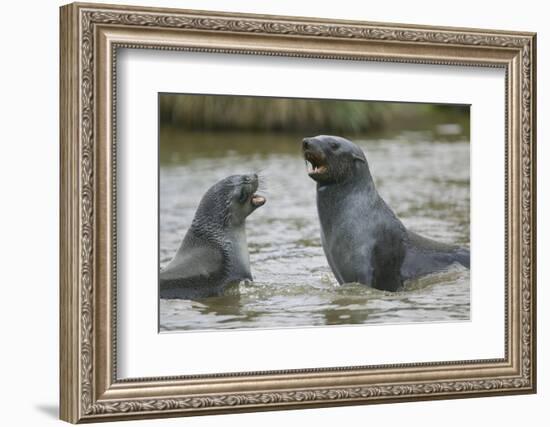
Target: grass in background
[{"x": 229, "y": 113}]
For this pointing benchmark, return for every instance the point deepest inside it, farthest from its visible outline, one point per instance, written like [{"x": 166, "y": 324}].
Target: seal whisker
[
  {"x": 260, "y": 173},
  {"x": 262, "y": 184}
]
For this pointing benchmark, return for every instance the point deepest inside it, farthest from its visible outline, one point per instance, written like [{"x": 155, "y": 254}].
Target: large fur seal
[
  {"x": 363, "y": 239},
  {"x": 214, "y": 252}
]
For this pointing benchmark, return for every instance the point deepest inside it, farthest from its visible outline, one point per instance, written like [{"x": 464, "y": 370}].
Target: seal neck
[
  {"x": 212, "y": 215},
  {"x": 360, "y": 181},
  {"x": 367, "y": 181},
  {"x": 217, "y": 227},
  {"x": 209, "y": 226}
]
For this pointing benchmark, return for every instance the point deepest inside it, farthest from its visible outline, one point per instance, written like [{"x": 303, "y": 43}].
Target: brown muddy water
[{"x": 423, "y": 176}]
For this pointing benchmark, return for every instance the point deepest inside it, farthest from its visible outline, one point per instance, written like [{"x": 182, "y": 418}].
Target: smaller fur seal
[
  {"x": 362, "y": 238},
  {"x": 214, "y": 251}
]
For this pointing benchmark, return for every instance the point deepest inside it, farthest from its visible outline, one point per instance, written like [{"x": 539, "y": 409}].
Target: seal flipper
[
  {"x": 387, "y": 257},
  {"x": 462, "y": 256},
  {"x": 425, "y": 256},
  {"x": 330, "y": 261}
]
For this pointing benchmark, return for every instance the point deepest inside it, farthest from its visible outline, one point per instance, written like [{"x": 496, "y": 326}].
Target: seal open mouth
[
  {"x": 316, "y": 163},
  {"x": 257, "y": 200}
]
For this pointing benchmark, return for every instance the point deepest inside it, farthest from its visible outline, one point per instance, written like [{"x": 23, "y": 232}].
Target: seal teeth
[
  {"x": 315, "y": 165},
  {"x": 257, "y": 200},
  {"x": 317, "y": 170}
]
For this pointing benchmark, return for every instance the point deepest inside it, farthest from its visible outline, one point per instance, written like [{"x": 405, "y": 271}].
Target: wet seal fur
[
  {"x": 362, "y": 238},
  {"x": 214, "y": 251}
]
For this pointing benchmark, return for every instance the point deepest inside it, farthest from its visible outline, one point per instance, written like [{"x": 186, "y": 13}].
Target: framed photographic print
[{"x": 265, "y": 212}]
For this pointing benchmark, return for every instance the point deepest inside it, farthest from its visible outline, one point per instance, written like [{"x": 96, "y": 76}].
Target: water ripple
[{"x": 425, "y": 182}]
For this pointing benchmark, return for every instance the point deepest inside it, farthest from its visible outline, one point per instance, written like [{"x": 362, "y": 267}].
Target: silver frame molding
[{"x": 90, "y": 37}]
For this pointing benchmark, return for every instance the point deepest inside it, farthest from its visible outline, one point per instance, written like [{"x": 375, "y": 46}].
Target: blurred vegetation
[{"x": 226, "y": 113}]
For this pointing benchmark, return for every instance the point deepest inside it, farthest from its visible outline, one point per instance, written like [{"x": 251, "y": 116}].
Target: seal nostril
[{"x": 305, "y": 143}]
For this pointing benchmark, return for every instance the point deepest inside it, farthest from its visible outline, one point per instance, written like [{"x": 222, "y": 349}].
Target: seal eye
[{"x": 333, "y": 145}]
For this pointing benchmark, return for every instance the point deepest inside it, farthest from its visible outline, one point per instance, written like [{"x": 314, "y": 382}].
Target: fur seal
[
  {"x": 362, "y": 238},
  {"x": 214, "y": 251}
]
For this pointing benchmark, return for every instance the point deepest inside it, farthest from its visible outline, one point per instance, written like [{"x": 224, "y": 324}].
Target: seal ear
[{"x": 358, "y": 157}]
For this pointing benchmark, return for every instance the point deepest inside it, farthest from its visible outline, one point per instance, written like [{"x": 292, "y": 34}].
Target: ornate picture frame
[{"x": 90, "y": 37}]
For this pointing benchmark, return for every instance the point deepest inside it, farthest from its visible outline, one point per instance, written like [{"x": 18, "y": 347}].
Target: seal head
[
  {"x": 228, "y": 203},
  {"x": 332, "y": 159},
  {"x": 214, "y": 251}
]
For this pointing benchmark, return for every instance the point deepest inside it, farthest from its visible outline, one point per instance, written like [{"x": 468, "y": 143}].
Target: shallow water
[{"x": 423, "y": 176}]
